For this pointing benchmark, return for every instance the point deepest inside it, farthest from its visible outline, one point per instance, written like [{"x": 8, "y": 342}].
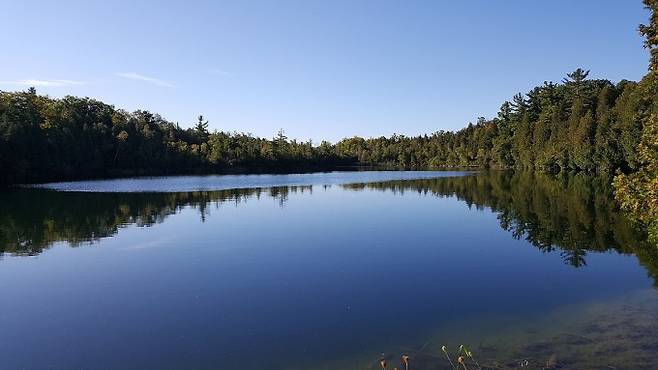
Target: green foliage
[
  {"x": 44, "y": 139},
  {"x": 572, "y": 126},
  {"x": 201, "y": 129},
  {"x": 637, "y": 192}
]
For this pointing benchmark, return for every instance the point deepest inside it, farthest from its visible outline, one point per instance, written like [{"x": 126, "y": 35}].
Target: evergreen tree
[{"x": 202, "y": 129}]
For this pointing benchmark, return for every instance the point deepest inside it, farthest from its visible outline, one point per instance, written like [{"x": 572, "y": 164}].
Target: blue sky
[{"x": 318, "y": 69}]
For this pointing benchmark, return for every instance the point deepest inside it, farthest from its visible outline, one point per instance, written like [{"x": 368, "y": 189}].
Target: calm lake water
[{"x": 324, "y": 271}]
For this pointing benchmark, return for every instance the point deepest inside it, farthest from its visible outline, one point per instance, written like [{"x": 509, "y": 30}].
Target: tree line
[
  {"x": 47, "y": 139},
  {"x": 579, "y": 124}
]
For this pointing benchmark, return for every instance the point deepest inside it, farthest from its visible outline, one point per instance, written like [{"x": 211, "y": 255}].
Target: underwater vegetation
[{"x": 617, "y": 337}]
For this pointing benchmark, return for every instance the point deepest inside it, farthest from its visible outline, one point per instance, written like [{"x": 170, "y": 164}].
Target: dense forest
[
  {"x": 47, "y": 139},
  {"x": 578, "y": 124}
]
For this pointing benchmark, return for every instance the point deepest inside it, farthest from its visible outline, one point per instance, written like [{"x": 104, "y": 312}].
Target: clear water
[{"x": 331, "y": 271}]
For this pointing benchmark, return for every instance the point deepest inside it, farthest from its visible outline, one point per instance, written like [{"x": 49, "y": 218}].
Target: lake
[{"x": 325, "y": 271}]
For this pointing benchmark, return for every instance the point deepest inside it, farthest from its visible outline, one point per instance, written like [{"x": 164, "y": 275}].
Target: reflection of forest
[
  {"x": 33, "y": 219},
  {"x": 570, "y": 214}
]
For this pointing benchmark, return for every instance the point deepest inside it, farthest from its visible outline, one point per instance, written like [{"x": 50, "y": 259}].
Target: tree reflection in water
[{"x": 570, "y": 214}]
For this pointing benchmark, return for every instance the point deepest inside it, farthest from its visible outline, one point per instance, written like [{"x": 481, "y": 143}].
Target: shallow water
[{"x": 325, "y": 275}]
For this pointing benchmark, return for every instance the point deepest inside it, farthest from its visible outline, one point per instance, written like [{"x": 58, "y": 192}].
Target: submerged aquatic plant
[
  {"x": 405, "y": 360},
  {"x": 462, "y": 362},
  {"x": 445, "y": 350},
  {"x": 463, "y": 354},
  {"x": 469, "y": 354}
]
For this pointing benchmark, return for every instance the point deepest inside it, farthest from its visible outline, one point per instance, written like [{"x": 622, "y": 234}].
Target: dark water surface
[{"x": 325, "y": 272}]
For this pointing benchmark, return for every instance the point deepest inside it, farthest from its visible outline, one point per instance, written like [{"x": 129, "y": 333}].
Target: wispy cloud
[
  {"x": 44, "y": 83},
  {"x": 151, "y": 80},
  {"x": 219, "y": 72}
]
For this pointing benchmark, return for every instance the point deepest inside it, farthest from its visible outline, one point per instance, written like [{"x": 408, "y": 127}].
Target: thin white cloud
[
  {"x": 151, "y": 80},
  {"x": 219, "y": 72},
  {"x": 44, "y": 83}
]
